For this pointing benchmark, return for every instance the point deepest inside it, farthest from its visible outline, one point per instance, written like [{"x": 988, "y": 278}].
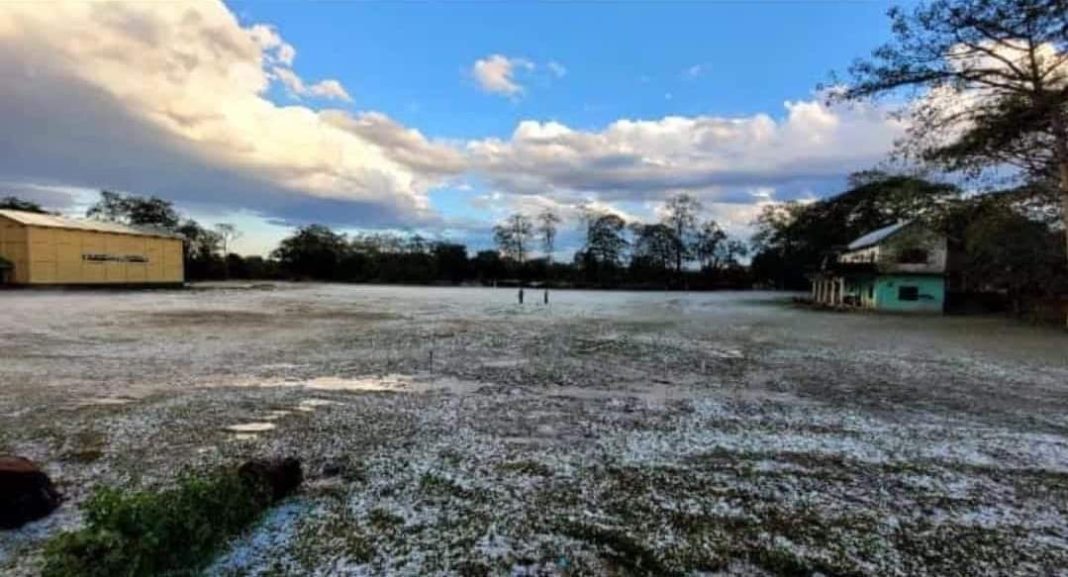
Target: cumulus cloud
[
  {"x": 496, "y": 73},
  {"x": 169, "y": 98},
  {"x": 635, "y": 160},
  {"x": 329, "y": 89}
]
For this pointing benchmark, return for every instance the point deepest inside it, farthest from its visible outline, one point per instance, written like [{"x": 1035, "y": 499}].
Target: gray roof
[
  {"x": 55, "y": 221},
  {"x": 877, "y": 236}
]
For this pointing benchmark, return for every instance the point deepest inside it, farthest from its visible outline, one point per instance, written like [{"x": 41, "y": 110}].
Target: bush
[{"x": 173, "y": 532}]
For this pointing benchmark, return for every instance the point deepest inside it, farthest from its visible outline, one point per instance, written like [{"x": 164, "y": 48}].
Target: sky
[{"x": 433, "y": 118}]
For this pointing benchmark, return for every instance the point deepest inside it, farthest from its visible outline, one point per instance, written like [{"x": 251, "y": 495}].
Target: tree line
[{"x": 676, "y": 252}]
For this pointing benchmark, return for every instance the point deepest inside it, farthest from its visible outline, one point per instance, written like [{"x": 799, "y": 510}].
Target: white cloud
[
  {"x": 169, "y": 98},
  {"x": 558, "y": 70},
  {"x": 328, "y": 89},
  {"x": 723, "y": 160},
  {"x": 496, "y": 74},
  {"x": 695, "y": 71}
]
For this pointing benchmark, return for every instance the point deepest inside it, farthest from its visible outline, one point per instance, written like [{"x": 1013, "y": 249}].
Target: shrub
[{"x": 173, "y": 532}]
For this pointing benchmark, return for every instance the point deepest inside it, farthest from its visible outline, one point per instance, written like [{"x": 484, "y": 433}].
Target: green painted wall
[{"x": 931, "y": 290}]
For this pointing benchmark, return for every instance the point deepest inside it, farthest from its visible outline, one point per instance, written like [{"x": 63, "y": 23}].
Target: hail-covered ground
[{"x": 452, "y": 431}]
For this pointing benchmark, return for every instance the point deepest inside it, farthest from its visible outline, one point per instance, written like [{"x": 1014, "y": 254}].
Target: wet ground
[{"x": 607, "y": 433}]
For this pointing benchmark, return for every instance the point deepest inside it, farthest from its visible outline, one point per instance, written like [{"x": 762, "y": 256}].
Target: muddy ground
[{"x": 605, "y": 434}]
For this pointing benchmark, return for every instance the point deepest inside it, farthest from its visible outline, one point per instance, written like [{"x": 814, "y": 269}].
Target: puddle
[
  {"x": 393, "y": 383},
  {"x": 251, "y": 427},
  {"x": 384, "y": 383},
  {"x": 309, "y": 405}
]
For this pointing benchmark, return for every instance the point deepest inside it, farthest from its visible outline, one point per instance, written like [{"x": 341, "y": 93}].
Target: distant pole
[
  {"x": 520, "y": 295},
  {"x": 546, "y": 295}
]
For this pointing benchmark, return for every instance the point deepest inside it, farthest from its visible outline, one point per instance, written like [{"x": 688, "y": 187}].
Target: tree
[
  {"x": 513, "y": 237},
  {"x": 653, "y": 250},
  {"x": 227, "y": 233},
  {"x": 547, "y": 223},
  {"x": 15, "y": 203},
  {"x": 135, "y": 210},
  {"x": 707, "y": 246},
  {"x": 991, "y": 82},
  {"x": 488, "y": 265},
  {"x": 793, "y": 238},
  {"x": 451, "y": 261},
  {"x": 681, "y": 216},
  {"x": 605, "y": 244},
  {"x": 202, "y": 251},
  {"x": 313, "y": 251},
  {"x": 731, "y": 253}
]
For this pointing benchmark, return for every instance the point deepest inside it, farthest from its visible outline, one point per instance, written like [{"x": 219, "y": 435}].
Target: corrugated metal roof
[
  {"x": 54, "y": 221},
  {"x": 877, "y": 236}
]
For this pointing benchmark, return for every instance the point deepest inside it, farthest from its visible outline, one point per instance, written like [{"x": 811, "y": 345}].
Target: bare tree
[
  {"x": 228, "y": 233},
  {"x": 513, "y": 237},
  {"x": 547, "y": 223},
  {"x": 709, "y": 242}
]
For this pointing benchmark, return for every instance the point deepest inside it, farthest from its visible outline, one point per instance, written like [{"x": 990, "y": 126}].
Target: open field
[{"x": 610, "y": 433}]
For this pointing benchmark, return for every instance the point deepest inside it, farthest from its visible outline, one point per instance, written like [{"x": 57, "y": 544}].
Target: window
[
  {"x": 908, "y": 293},
  {"x": 912, "y": 256}
]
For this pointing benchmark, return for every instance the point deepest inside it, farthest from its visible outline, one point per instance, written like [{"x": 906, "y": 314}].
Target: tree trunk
[{"x": 1064, "y": 205}]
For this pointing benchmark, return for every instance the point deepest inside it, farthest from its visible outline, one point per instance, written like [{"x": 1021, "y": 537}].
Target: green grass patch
[{"x": 173, "y": 532}]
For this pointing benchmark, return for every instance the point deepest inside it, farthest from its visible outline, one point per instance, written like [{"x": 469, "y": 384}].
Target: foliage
[
  {"x": 173, "y": 532},
  {"x": 204, "y": 257},
  {"x": 992, "y": 85},
  {"x": 1004, "y": 250},
  {"x": 135, "y": 210},
  {"x": 708, "y": 248},
  {"x": 602, "y": 256},
  {"x": 15, "y": 203},
  {"x": 681, "y": 217},
  {"x": 792, "y": 239},
  {"x": 513, "y": 237},
  {"x": 653, "y": 252}
]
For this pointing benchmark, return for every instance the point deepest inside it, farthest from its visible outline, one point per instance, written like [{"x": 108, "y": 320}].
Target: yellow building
[{"x": 44, "y": 249}]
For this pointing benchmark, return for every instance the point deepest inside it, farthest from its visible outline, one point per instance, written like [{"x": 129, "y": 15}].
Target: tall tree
[
  {"x": 793, "y": 238},
  {"x": 135, "y": 210},
  {"x": 513, "y": 237},
  {"x": 547, "y": 223},
  {"x": 15, "y": 203},
  {"x": 681, "y": 216},
  {"x": 313, "y": 251},
  {"x": 228, "y": 233},
  {"x": 653, "y": 249},
  {"x": 605, "y": 243},
  {"x": 990, "y": 80},
  {"x": 710, "y": 238}
]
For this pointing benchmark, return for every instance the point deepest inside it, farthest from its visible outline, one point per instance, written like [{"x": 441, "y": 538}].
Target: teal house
[{"x": 900, "y": 268}]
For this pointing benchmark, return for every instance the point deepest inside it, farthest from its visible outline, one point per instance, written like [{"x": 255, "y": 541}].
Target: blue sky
[
  {"x": 412, "y": 60},
  {"x": 436, "y": 118}
]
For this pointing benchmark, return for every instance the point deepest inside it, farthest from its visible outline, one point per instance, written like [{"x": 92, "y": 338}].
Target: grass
[{"x": 172, "y": 532}]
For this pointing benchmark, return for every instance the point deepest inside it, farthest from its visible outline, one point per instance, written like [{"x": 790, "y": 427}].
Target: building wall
[
  {"x": 13, "y": 247},
  {"x": 888, "y": 255},
  {"x": 930, "y": 291},
  {"x": 62, "y": 256}
]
